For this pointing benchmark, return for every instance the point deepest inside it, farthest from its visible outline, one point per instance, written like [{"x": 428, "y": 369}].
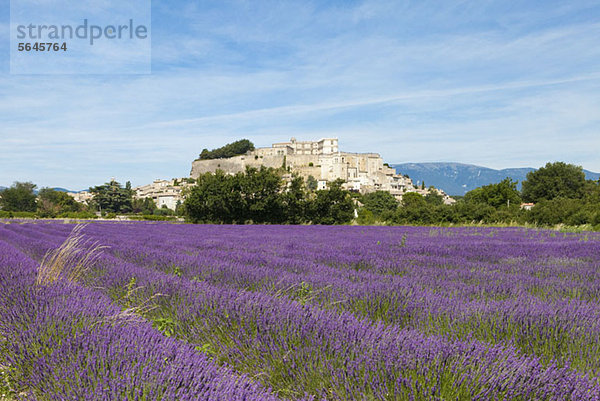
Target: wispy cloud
[{"x": 479, "y": 82}]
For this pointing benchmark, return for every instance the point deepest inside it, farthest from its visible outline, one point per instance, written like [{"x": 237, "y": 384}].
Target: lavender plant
[{"x": 335, "y": 313}]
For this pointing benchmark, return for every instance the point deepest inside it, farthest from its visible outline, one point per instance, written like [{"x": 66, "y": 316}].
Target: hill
[{"x": 458, "y": 178}]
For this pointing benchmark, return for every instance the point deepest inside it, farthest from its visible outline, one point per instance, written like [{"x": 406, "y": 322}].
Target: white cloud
[{"x": 497, "y": 93}]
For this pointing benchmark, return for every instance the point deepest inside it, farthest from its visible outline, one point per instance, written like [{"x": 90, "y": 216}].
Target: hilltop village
[
  {"x": 320, "y": 160},
  {"x": 314, "y": 182}
]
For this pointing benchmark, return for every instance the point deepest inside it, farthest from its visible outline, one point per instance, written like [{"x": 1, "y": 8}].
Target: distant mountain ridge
[
  {"x": 37, "y": 190},
  {"x": 458, "y": 178}
]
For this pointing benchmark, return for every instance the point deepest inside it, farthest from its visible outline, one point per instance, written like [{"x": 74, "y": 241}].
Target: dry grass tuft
[
  {"x": 134, "y": 314},
  {"x": 69, "y": 261}
]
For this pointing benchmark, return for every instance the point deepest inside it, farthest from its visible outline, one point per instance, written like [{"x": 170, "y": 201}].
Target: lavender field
[{"x": 191, "y": 312}]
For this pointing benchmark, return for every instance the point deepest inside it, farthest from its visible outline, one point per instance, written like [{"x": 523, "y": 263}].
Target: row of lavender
[
  {"x": 68, "y": 342},
  {"x": 365, "y": 313}
]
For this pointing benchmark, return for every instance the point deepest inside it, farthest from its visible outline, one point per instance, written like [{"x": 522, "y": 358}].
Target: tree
[
  {"x": 561, "y": 210},
  {"x": 592, "y": 193},
  {"x": 554, "y": 180},
  {"x": 261, "y": 195},
  {"x": 415, "y": 210},
  {"x": 379, "y": 203},
  {"x": 502, "y": 194},
  {"x": 143, "y": 206},
  {"x": 20, "y": 197},
  {"x": 412, "y": 200},
  {"x": 112, "y": 197},
  {"x": 365, "y": 217},
  {"x": 433, "y": 198},
  {"x": 216, "y": 198},
  {"x": 333, "y": 205},
  {"x": 295, "y": 201},
  {"x": 311, "y": 183},
  {"x": 231, "y": 149},
  {"x": 254, "y": 195},
  {"x": 52, "y": 203}
]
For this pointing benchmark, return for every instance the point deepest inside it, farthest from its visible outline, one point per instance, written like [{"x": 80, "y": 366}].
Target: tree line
[
  {"x": 231, "y": 149},
  {"x": 560, "y": 192},
  {"x": 262, "y": 196},
  {"x": 109, "y": 199},
  {"x": 21, "y": 198}
]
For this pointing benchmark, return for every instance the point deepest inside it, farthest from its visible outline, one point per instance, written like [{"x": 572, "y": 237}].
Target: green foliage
[
  {"x": 250, "y": 196},
  {"x": 163, "y": 211},
  {"x": 165, "y": 325},
  {"x": 20, "y": 197},
  {"x": 206, "y": 349},
  {"x": 333, "y": 205},
  {"x": 553, "y": 181},
  {"x": 53, "y": 203},
  {"x": 23, "y": 215},
  {"x": 571, "y": 212},
  {"x": 150, "y": 217},
  {"x": 413, "y": 200},
  {"x": 86, "y": 214},
  {"x": 419, "y": 210},
  {"x": 143, "y": 206},
  {"x": 311, "y": 183},
  {"x": 131, "y": 288},
  {"x": 562, "y": 196},
  {"x": 215, "y": 198},
  {"x": 112, "y": 197},
  {"x": 365, "y": 217},
  {"x": 434, "y": 199},
  {"x": 260, "y": 196},
  {"x": 380, "y": 203},
  {"x": 501, "y": 195},
  {"x": 232, "y": 149},
  {"x": 295, "y": 201},
  {"x": 304, "y": 293},
  {"x": 474, "y": 212},
  {"x": 592, "y": 192}
]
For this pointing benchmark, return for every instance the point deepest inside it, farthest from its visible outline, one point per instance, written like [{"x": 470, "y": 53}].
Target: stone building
[
  {"x": 325, "y": 146},
  {"x": 361, "y": 172},
  {"x": 82, "y": 196},
  {"x": 163, "y": 192}
]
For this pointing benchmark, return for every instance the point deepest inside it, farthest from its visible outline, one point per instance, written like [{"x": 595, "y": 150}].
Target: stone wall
[
  {"x": 362, "y": 171},
  {"x": 235, "y": 164},
  {"x": 232, "y": 165}
]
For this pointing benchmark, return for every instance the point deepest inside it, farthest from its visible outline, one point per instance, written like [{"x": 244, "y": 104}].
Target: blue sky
[{"x": 495, "y": 83}]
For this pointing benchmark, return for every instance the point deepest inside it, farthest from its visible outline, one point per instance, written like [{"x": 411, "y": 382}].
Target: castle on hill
[{"x": 322, "y": 159}]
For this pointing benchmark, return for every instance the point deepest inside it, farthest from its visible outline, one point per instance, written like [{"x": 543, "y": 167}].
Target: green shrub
[{"x": 365, "y": 217}]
